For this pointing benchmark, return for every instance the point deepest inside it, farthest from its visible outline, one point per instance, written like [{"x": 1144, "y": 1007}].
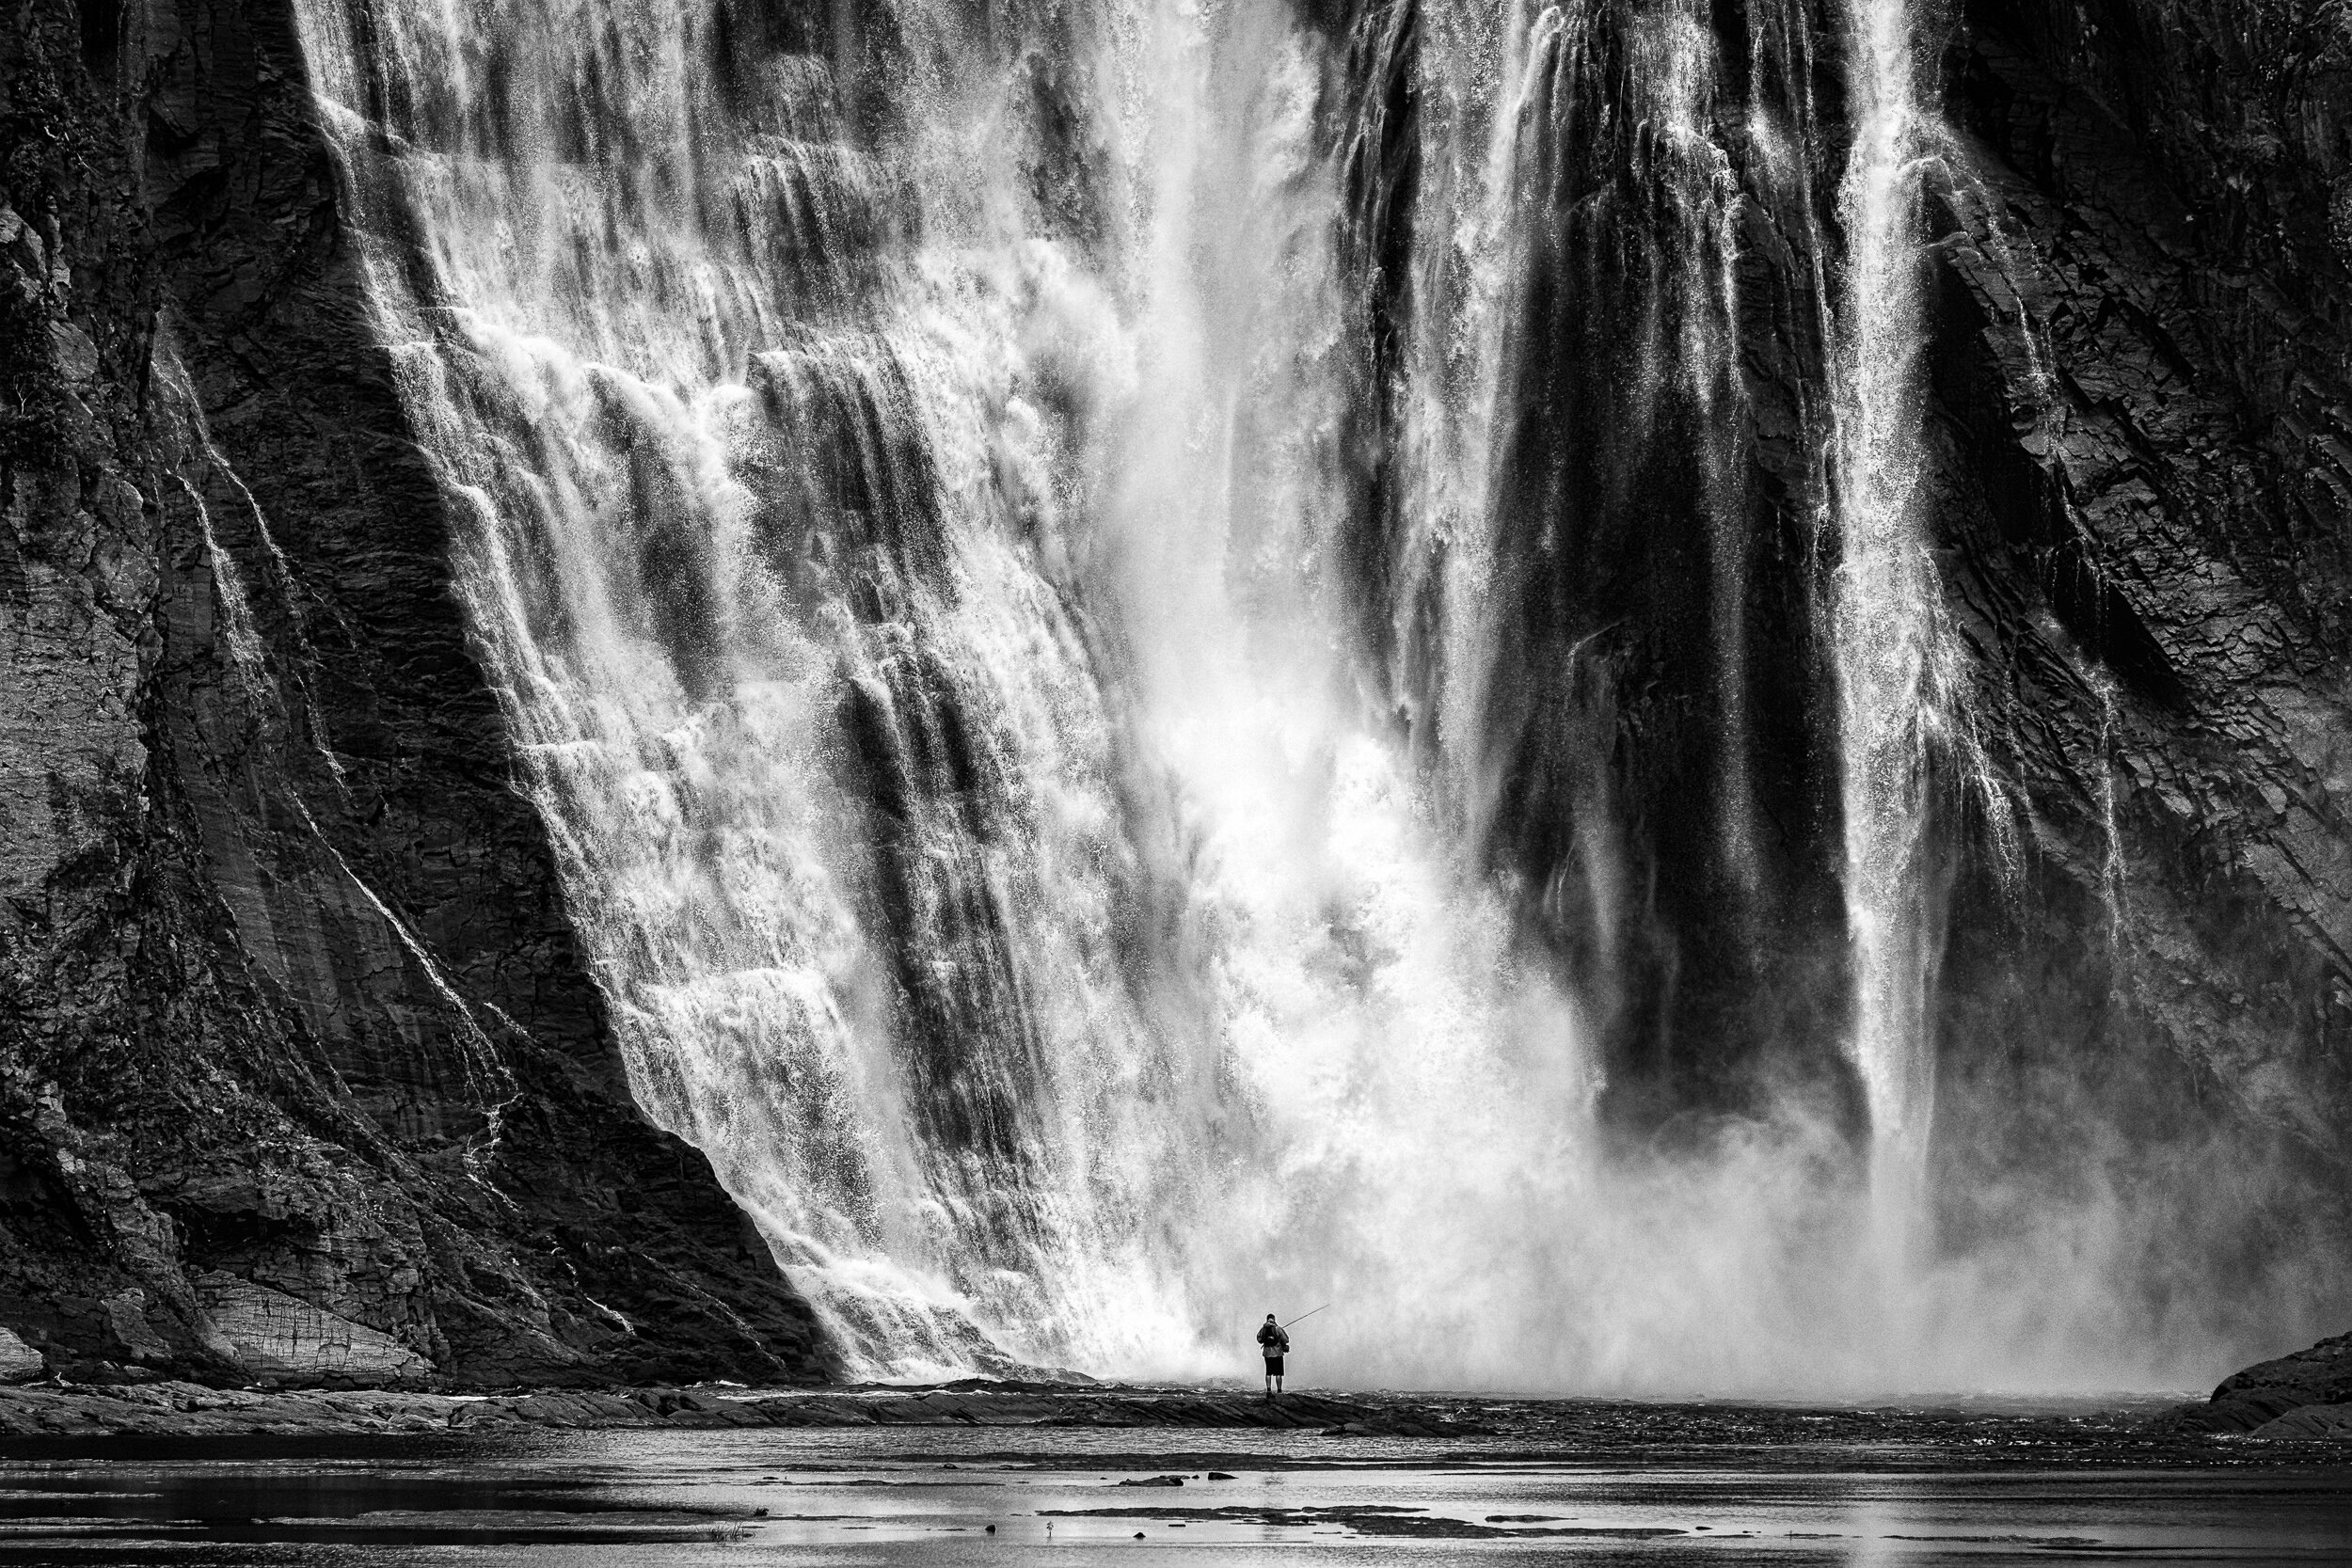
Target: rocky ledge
[
  {"x": 190, "y": 1410},
  {"x": 2308, "y": 1394}
]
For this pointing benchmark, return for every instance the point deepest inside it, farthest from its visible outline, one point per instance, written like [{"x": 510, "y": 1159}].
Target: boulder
[
  {"x": 272, "y": 1333},
  {"x": 19, "y": 1361}
]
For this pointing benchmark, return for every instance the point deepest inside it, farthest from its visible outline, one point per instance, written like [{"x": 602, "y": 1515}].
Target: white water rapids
[{"x": 895, "y": 492}]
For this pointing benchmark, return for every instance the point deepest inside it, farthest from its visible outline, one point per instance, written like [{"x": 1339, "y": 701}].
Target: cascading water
[
  {"x": 822, "y": 751},
  {"x": 1902, "y": 698},
  {"x": 1038, "y": 564},
  {"x": 1886, "y": 606}
]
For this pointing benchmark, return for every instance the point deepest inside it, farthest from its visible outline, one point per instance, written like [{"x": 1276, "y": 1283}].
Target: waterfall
[
  {"x": 1885, "y": 608},
  {"x": 900, "y": 586},
  {"x": 1904, "y": 710},
  {"x": 1061, "y": 578}
]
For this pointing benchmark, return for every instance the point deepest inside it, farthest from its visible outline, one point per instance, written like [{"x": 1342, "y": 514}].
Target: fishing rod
[{"x": 1304, "y": 1316}]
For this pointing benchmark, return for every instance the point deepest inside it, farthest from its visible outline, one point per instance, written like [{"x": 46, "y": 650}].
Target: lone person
[{"x": 1273, "y": 1339}]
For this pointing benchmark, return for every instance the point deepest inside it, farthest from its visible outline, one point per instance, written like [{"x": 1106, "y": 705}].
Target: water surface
[{"x": 1570, "y": 1480}]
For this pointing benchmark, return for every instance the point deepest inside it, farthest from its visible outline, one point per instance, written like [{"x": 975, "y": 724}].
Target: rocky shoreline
[
  {"x": 176, "y": 1409},
  {"x": 2304, "y": 1396}
]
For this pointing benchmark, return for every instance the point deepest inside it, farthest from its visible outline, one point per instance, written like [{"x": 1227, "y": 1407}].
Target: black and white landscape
[{"x": 1657, "y": 694}]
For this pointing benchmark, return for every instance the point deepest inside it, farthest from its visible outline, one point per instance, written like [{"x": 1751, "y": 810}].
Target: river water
[{"x": 1575, "y": 1480}]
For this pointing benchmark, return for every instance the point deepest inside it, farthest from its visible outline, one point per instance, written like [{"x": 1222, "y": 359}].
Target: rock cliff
[
  {"x": 2142, "y": 396},
  {"x": 300, "y": 1075}
]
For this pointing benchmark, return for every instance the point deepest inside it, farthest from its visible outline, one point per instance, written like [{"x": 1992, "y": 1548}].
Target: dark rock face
[
  {"x": 295, "y": 1050},
  {"x": 2145, "y": 500}
]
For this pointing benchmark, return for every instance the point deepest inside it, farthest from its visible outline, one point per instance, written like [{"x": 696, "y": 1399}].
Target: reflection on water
[{"x": 1913, "y": 1492}]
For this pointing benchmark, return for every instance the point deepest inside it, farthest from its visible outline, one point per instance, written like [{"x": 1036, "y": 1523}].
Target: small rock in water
[
  {"x": 1219, "y": 1475},
  {"x": 1138, "y": 1535},
  {"x": 1153, "y": 1480}
]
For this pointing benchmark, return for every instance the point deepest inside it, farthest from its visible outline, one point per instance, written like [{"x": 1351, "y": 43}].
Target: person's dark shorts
[{"x": 1274, "y": 1366}]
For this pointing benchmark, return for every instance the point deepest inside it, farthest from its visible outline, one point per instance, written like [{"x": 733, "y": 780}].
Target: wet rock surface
[{"x": 300, "y": 1074}]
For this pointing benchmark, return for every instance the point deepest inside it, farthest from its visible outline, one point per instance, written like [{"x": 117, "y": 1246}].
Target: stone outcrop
[
  {"x": 2308, "y": 1394},
  {"x": 299, "y": 1070}
]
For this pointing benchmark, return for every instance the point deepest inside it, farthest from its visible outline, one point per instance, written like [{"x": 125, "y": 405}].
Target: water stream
[{"x": 1886, "y": 606}]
